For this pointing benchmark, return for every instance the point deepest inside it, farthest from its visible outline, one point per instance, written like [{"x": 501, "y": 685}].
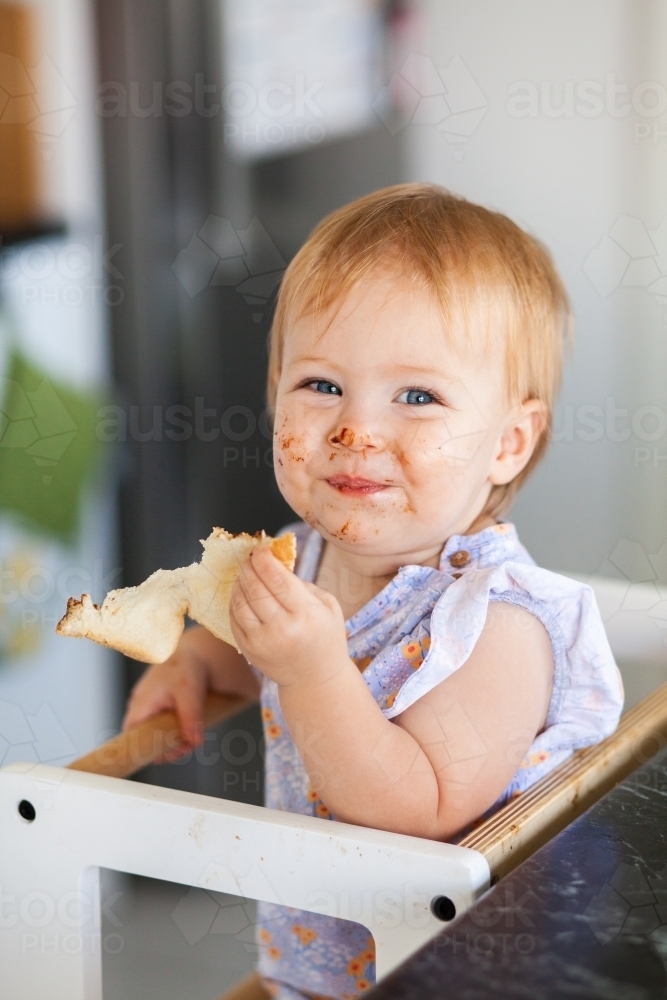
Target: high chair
[{"x": 60, "y": 826}]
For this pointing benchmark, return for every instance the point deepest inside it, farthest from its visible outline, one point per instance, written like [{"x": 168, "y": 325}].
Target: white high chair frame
[
  {"x": 85, "y": 822},
  {"x": 60, "y": 826}
]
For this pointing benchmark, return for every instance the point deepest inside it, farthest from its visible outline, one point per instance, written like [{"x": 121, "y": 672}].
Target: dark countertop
[{"x": 584, "y": 917}]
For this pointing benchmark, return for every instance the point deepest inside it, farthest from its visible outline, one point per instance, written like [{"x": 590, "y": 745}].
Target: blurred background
[{"x": 160, "y": 163}]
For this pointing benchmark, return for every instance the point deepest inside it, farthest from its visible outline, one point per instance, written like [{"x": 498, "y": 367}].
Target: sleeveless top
[{"x": 411, "y": 636}]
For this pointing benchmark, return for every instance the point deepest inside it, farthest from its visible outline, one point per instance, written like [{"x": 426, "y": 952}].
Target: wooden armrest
[
  {"x": 526, "y": 823},
  {"x": 128, "y": 752}
]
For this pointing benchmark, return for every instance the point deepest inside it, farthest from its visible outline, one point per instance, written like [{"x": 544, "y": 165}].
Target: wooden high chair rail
[
  {"x": 148, "y": 742},
  {"x": 505, "y": 839},
  {"x": 529, "y": 821}
]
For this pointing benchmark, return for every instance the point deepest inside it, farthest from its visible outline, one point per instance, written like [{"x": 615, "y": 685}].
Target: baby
[{"x": 418, "y": 669}]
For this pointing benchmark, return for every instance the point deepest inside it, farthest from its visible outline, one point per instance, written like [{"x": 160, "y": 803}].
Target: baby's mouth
[{"x": 355, "y": 485}]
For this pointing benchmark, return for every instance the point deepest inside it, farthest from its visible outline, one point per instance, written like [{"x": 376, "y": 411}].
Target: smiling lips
[{"x": 355, "y": 485}]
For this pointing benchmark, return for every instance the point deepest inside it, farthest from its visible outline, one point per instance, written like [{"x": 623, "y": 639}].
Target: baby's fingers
[
  {"x": 285, "y": 587},
  {"x": 189, "y": 698},
  {"x": 148, "y": 698},
  {"x": 320, "y": 596},
  {"x": 261, "y": 600},
  {"x": 241, "y": 612},
  {"x": 164, "y": 689}
]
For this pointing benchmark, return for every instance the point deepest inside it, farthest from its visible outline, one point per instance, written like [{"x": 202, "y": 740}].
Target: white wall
[{"x": 593, "y": 506}]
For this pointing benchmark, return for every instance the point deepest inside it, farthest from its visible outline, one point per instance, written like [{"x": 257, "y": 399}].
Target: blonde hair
[{"x": 486, "y": 273}]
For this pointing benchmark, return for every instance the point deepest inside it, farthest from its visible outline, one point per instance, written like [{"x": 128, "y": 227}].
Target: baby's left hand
[{"x": 293, "y": 631}]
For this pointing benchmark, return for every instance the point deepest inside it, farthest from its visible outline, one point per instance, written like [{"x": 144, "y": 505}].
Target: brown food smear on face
[
  {"x": 344, "y": 530},
  {"x": 346, "y": 437},
  {"x": 343, "y": 535},
  {"x": 332, "y": 456},
  {"x": 288, "y": 442},
  {"x": 401, "y": 457}
]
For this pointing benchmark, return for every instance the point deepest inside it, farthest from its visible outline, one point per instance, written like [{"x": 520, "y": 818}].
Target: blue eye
[
  {"x": 417, "y": 397},
  {"x": 321, "y": 385}
]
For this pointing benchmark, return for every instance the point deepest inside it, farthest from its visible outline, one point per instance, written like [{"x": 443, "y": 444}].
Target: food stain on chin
[
  {"x": 310, "y": 519},
  {"x": 409, "y": 509},
  {"x": 343, "y": 534}
]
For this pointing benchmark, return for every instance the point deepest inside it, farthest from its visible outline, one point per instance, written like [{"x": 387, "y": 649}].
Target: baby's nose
[{"x": 348, "y": 437}]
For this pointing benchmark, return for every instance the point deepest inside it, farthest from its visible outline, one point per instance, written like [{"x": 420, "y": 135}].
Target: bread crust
[{"x": 146, "y": 622}]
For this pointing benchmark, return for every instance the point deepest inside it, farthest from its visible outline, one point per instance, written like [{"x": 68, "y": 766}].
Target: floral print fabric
[{"x": 411, "y": 636}]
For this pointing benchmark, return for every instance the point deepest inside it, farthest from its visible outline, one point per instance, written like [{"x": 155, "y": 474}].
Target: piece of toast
[{"x": 146, "y": 622}]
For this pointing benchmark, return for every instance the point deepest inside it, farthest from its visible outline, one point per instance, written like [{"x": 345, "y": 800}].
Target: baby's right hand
[{"x": 179, "y": 685}]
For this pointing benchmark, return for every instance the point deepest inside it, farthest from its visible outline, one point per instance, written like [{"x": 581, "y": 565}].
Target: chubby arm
[
  {"x": 433, "y": 769},
  {"x": 475, "y": 728}
]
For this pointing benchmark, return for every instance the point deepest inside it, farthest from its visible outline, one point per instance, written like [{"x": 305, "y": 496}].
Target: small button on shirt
[{"x": 459, "y": 558}]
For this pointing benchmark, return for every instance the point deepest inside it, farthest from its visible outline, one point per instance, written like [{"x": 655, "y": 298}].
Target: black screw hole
[
  {"x": 27, "y": 810},
  {"x": 443, "y": 908},
  {"x": 495, "y": 879}
]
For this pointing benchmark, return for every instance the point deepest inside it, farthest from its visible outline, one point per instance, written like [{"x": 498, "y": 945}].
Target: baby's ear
[
  {"x": 537, "y": 412},
  {"x": 523, "y": 430}
]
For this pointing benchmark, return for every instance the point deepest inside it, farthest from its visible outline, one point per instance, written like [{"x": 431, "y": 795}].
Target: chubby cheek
[
  {"x": 439, "y": 467},
  {"x": 293, "y": 447}
]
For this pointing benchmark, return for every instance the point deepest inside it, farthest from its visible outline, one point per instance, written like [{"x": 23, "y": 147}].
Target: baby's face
[{"x": 385, "y": 435}]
